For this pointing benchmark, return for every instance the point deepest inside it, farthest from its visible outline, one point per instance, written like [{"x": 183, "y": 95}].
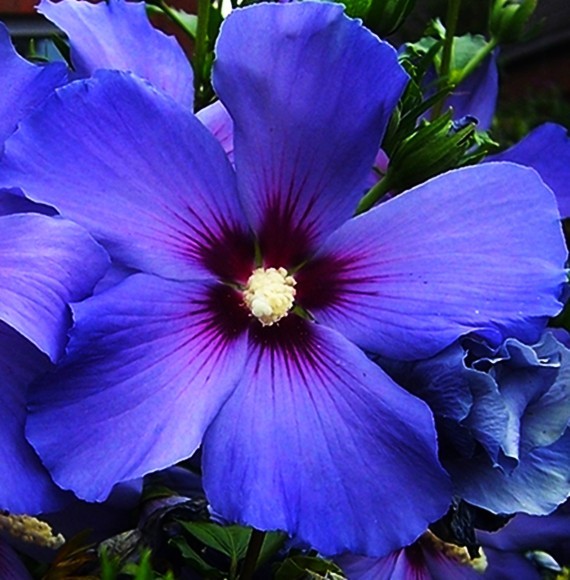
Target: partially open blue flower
[
  {"x": 525, "y": 547},
  {"x": 527, "y": 544},
  {"x": 258, "y": 293},
  {"x": 503, "y": 421},
  {"x": 426, "y": 559}
]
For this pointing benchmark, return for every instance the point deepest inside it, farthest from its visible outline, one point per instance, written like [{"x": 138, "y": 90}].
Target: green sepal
[{"x": 435, "y": 147}]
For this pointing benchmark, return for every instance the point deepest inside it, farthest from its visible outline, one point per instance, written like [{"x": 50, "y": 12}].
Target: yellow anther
[
  {"x": 269, "y": 294},
  {"x": 30, "y": 530},
  {"x": 454, "y": 552}
]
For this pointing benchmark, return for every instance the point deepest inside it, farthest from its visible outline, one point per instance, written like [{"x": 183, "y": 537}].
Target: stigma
[{"x": 269, "y": 294}]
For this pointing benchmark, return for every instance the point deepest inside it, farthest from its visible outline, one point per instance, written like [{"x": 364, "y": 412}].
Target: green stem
[
  {"x": 476, "y": 60},
  {"x": 253, "y": 550},
  {"x": 201, "y": 47},
  {"x": 373, "y": 195},
  {"x": 451, "y": 19},
  {"x": 173, "y": 15}
]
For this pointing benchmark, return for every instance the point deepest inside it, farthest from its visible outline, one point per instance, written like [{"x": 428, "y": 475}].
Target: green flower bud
[
  {"x": 509, "y": 18},
  {"x": 385, "y": 16},
  {"x": 433, "y": 148}
]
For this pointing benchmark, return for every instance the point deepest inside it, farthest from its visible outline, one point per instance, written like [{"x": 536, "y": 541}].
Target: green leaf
[
  {"x": 232, "y": 541},
  {"x": 195, "y": 561},
  {"x": 141, "y": 570},
  {"x": 465, "y": 48},
  {"x": 272, "y": 543},
  {"x": 109, "y": 566}
]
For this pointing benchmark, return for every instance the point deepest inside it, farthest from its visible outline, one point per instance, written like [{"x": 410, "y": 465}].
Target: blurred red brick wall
[
  {"x": 26, "y": 10},
  {"x": 17, "y": 6}
]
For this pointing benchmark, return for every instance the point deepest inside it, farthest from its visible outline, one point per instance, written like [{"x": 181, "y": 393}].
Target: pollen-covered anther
[
  {"x": 459, "y": 554},
  {"x": 269, "y": 294},
  {"x": 30, "y": 530}
]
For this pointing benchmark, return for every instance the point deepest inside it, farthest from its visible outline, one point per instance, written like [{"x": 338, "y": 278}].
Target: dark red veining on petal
[
  {"x": 320, "y": 283},
  {"x": 293, "y": 350},
  {"x": 227, "y": 314},
  {"x": 284, "y": 240},
  {"x": 230, "y": 256},
  {"x": 287, "y": 347},
  {"x": 416, "y": 560},
  {"x": 289, "y": 335},
  {"x": 225, "y": 249}
]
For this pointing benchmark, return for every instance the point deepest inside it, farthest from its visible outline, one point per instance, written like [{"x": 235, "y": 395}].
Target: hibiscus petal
[
  {"x": 363, "y": 568},
  {"x": 423, "y": 560},
  {"x": 14, "y": 201},
  {"x": 149, "y": 363},
  {"x": 477, "y": 249},
  {"x": 220, "y": 124},
  {"x": 546, "y": 418},
  {"x": 310, "y": 92},
  {"x": 536, "y": 486},
  {"x": 118, "y": 35},
  {"x": 10, "y": 565},
  {"x": 547, "y": 150},
  {"x": 45, "y": 263},
  {"x": 26, "y": 486},
  {"x": 319, "y": 442},
  {"x": 138, "y": 171},
  {"x": 504, "y": 565},
  {"x": 24, "y": 85},
  {"x": 525, "y": 533}
]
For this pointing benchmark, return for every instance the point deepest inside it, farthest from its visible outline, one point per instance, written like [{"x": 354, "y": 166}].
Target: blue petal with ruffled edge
[
  {"x": 45, "y": 263},
  {"x": 519, "y": 415},
  {"x": 26, "y": 485},
  {"x": 118, "y": 35},
  {"x": 546, "y": 149},
  {"x": 24, "y": 85}
]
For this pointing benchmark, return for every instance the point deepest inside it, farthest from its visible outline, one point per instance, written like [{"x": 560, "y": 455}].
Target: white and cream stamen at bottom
[{"x": 269, "y": 294}]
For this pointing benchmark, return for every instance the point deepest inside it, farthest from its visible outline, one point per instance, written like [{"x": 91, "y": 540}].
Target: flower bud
[
  {"x": 433, "y": 148},
  {"x": 509, "y": 18},
  {"x": 384, "y": 17}
]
